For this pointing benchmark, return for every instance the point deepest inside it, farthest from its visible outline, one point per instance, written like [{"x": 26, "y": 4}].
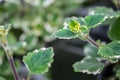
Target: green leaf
[
  {"x": 19, "y": 47},
  {"x": 90, "y": 50},
  {"x": 89, "y": 66},
  {"x": 114, "y": 30},
  {"x": 65, "y": 34},
  {"x": 38, "y": 61},
  {"x": 16, "y": 46},
  {"x": 78, "y": 20},
  {"x": 104, "y": 11},
  {"x": 30, "y": 39},
  {"x": 111, "y": 50},
  {"x": 1, "y": 78},
  {"x": 118, "y": 73},
  {"x": 81, "y": 21},
  {"x": 73, "y": 29},
  {"x": 11, "y": 39},
  {"x": 94, "y": 20}
]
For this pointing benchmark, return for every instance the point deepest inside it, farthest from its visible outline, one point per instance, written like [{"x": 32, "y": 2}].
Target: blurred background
[{"x": 33, "y": 25}]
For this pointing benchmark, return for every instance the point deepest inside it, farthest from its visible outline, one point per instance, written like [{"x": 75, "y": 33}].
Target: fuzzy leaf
[
  {"x": 89, "y": 66},
  {"x": 65, "y": 34},
  {"x": 1, "y": 78},
  {"x": 111, "y": 50},
  {"x": 94, "y": 20},
  {"x": 16, "y": 46},
  {"x": 19, "y": 47},
  {"x": 11, "y": 39},
  {"x": 81, "y": 21},
  {"x": 38, "y": 61},
  {"x": 30, "y": 39},
  {"x": 90, "y": 50},
  {"x": 104, "y": 11},
  {"x": 114, "y": 31}
]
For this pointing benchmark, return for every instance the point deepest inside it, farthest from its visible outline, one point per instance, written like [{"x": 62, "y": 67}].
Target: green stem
[
  {"x": 9, "y": 57},
  {"x": 90, "y": 40}
]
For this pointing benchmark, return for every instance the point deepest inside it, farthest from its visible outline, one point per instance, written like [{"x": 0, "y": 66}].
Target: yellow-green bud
[{"x": 74, "y": 26}]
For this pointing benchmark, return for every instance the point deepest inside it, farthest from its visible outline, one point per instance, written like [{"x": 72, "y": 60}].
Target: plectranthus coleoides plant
[{"x": 99, "y": 54}]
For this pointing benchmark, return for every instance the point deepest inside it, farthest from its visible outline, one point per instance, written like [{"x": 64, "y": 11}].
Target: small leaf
[
  {"x": 81, "y": 21},
  {"x": 65, "y": 34},
  {"x": 90, "y": 50},
  {"x": 16, "y": 46},
  {"x": 19, "y": 47},
  {"x": 89, "y": 66},
  {"x": 11, "y": 39},
  {"x": 1, "y": 78},
  {"x": 104, "y": 11},
  {"x": 114, "y": 30},
  {"x": 38, "y": 61},
  {"x": 94, "y": 20},
  {"x": 111, "y": 50},
  {"x": 30, "y": 39}
]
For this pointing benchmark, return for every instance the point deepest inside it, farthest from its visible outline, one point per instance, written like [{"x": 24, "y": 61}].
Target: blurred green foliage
[
  {"x": 39, "y": 17},
  {"x": 32, "y": 23}
]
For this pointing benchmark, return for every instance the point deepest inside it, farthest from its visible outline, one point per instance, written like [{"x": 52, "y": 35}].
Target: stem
[
  {"x": 10, "y": 58},
  {"x": 29, "y": 76},
  {"x": 118, "y": 5},
  {"x": 90, "y": 40},
  {"x": 11, "y": 61}
]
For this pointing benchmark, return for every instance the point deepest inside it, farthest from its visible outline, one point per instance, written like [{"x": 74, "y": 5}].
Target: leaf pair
[
  {"x": 80, "y": 27},
  {"x": 91, "y": 65}
]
